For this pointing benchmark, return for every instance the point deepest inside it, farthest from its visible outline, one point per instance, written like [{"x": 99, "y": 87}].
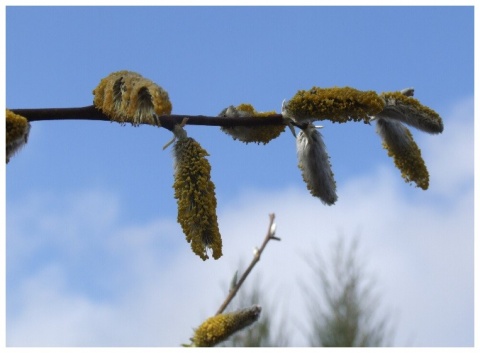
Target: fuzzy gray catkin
[
  {"x": 314, "y": 162},
  {"x": 394, "y": 133},
  {"x": 401, "y": 106}
]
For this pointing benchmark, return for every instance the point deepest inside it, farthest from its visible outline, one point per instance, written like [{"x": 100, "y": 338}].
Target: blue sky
[{"x": 94, "y": 253}]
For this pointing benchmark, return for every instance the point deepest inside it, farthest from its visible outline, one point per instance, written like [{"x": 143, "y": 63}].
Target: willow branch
[
  {"x": 166, "y": 121},
  {"x": 256, "y": 258}
]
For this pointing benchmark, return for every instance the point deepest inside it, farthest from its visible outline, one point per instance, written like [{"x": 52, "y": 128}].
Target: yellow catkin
[
  {"x": 126, "y": 96},
  {"x": 338, "y": 104},
  {"x": 218, "y": 328},
  {"x": 17, "y": 129},
  {"x": 410, "y": 111},
  {"x": 257, "y": 134},
  {"x": 400, "y": 145},
  {"x": 195, "y": 194}
]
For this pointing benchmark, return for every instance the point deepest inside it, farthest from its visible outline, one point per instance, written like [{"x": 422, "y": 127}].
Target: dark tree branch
[{"x": 167, "y": 121}]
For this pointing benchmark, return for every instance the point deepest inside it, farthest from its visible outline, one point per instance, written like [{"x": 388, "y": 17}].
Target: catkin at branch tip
[
  {"x": 218, "y": 328},
  {"x": 258, "y": 134},
  {"x": 399, "y": 143},
  {"x": 195, "y": 194},
  {"x": 410, "y": 111},
  {"x": 126, "y": 96},
  {"x": 337, "y": 104},
  {"x": 314, "y": 162},
  {"x": 17, "y": 129}
]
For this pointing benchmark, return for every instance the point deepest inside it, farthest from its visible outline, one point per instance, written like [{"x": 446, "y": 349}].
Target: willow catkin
[
  {"x": 401, "y": 107},
  {"x": 314, "y": 163},
  {"x": 257, "y": 134},
  {"x": 17, "y": 129},
  {"x": 399, "y": 143},
  {"x": 195, "y": 194},
  {"x": 218, "y": 328},
  {"x": 337, "y": 104},
  {"x": 126, "y": 96}
]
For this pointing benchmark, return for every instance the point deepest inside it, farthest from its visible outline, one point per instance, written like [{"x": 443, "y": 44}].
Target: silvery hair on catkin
[{"x": 314, "y": 162}]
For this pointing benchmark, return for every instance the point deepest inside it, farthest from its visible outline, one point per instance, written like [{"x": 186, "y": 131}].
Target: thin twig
[
  {"x": 256, "y": 257},
  {"x": 167, "y": 121}
]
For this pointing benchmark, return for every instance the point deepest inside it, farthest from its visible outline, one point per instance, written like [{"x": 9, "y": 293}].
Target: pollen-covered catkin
[
  {"x": 399, "y": 143},
  {"x": 195, "y": 194},
  {"x": 314, "y": 162},
  {"x": 258, "y": 134},
  {"x": 17, "y": 129},
  {"x": 338, "y": 104},
  {"x": 410, "y": 111},
  {"x": 126, "y": 96},
  {"x": 218, "y": 328}
]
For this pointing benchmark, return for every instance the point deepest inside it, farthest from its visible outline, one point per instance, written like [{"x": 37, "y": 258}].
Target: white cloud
[
  {"x": 422, "y": 257},
  {"x": 449, "y": 156},
  {"x": 419, "y": 249},
  {"x": 51, "y": 314}
]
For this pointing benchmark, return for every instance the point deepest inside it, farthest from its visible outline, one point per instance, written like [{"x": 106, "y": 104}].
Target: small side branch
[{"x": 256, "y": 258}]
